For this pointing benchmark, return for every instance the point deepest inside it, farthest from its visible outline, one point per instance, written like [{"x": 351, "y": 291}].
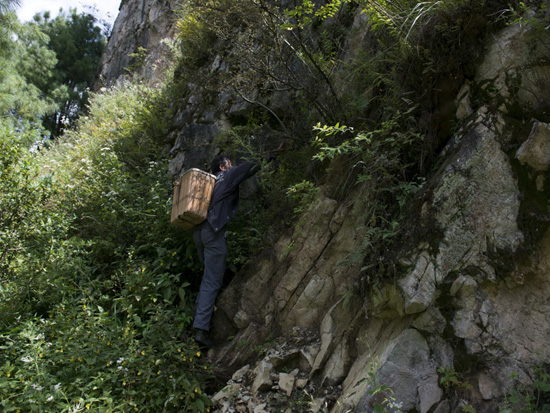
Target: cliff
[
  {"x": 136, "y": 46},
  {"x": 465, "y": 319}
]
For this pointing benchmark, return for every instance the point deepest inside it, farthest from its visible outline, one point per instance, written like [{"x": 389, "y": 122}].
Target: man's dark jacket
[{"x": 225, "y": 196}]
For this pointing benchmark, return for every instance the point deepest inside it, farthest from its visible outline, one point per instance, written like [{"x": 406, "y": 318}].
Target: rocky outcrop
[
  {"x": 137, "y": 41},
  {"x": 467, "y": 318},
  {"x": 477, "y": 177}
]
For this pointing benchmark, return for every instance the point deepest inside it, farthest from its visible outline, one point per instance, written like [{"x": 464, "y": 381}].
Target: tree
[
  {"x": 25, "y": 64},
  {"x": 78, "y": 44},
  {"x": 7, "y": 7},
  {"x": 270, "y": 50}
]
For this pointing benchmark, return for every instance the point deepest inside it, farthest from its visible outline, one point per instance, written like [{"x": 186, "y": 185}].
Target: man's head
[{"x": 220, "y": 163}]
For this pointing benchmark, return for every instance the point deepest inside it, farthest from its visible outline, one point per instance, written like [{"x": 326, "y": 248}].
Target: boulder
[
  {"x": 263, "y": 381},
  {"x": 430, "y": 321},
  {"x": 535, "y": 151},
  {"x": 228, "y": 392},
  {"x": 286, "y": 383},
  {"x": 408, "y": 374}
]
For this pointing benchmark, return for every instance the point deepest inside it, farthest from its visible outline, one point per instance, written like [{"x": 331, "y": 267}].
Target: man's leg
[
  {"x": 215, "y": 255},
  {"x": 197, "y": 238}
]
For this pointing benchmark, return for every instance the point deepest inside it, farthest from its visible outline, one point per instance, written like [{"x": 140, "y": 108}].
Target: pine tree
[
  {"x": 25, "y": 63},
  {"x": 78, "y": 44}
]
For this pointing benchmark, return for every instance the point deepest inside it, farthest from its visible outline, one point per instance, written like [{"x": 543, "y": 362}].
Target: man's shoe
[{"x": 202, "y": 339}]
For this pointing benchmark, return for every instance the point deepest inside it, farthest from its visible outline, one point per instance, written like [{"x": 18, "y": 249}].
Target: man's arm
[{"x": 237, "y": 174}]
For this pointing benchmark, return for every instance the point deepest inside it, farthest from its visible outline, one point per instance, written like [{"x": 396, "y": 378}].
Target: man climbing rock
[{"x": 210, "y": 240}]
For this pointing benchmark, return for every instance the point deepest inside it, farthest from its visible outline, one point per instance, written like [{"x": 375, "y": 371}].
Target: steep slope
[
  {"x": 463, "y": 323},
  {"x": 467, "y": 320}
]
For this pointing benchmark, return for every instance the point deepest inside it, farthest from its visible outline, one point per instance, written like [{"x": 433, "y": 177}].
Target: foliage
[
  {"x": 26, "y": 64},
  {"x": 526, "y": 399},
  {"x": 304, "y": 14},
  {"x": 383, "y": 399},
  {"x": 523, "y": 13},
  {"x": 47, "y": 67},
  {"x": 388, "y": 403},
  {"x": 7, "y": 20},
  {"x": 272, "y": 199},
  {"x": 95, "y": 286},
  {"x": 403, "y": 18},
  {"x": 78, "y": 44},
  {"x": 418, "y": 54},
  {"x": 382, "y": 158},
  {"x": 390, "y": 88},
  {"x": 420, "y": 51},
  {"x": 84, "y": 357},
  {"x": 30, "y": 230},
  {"x": 264, "y": 50},
  {"x": 196, "y": 39},
  {"x": 94, "y": 283},
  {"x": 451, "y": 379},
  {"x": 276, "y": 202},
  {"x": 139, "y": 58},
  {"x": 303, "y": 194},
  {"x": 452, "y": 382}
]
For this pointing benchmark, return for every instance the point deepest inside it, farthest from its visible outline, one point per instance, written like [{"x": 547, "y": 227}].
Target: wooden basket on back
[{"x": 192, "y": 193}]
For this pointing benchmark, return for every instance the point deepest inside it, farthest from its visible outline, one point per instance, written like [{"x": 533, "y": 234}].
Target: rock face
[
  {"x": 139, "y": 24},
  {"x": 468, "y": 314},
  {"x": 466, "y": 321},
  {"x": 477, "y": 178}
]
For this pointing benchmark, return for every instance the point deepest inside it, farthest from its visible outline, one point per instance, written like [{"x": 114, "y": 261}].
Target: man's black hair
[{"x": 217, "y": 161}]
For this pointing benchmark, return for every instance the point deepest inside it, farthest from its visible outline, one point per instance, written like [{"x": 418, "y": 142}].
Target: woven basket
[{"x": 192, "y": 193}]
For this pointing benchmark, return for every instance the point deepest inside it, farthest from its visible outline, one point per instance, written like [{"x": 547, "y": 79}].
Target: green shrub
[
  {"x": 524, "y": 398},
  {"x": 381, "y": 158},
  {"x": 96, "y": 284},
  {"x": 32, "y": 231},
  {"x": 101, "y": 361}
]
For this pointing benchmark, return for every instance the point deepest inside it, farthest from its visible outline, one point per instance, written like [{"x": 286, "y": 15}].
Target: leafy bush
[
  {"x": 381, "y": 158},
  {"x": 31, "y": 231},
  {"x": 528, "y": 398},
  {"x": 95, "y": 284},
  {"x": 84, "y": 356}
]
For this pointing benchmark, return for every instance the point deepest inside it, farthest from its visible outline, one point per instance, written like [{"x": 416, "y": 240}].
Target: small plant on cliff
[
  {"x": 528, "y": 399},
  {"x": 449, "y": 378},
  {"x": 302, "y": 194},
  {"x": 138, "y": 59},
  {"x": 389, "y": 403},
  {"x": 382, "y": 396},
  {"x": 383, "y": 399},
  {"x": 382, "y": 160},
  {"x": 452, "y": 382}
]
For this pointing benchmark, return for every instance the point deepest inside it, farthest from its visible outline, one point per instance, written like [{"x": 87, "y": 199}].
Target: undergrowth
[{"x": 95, "y": 292}]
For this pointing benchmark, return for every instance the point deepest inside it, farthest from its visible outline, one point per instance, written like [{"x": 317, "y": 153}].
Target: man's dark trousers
[{"x": 212, "y": 248}]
